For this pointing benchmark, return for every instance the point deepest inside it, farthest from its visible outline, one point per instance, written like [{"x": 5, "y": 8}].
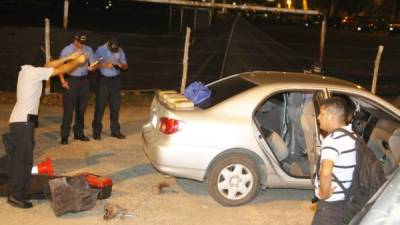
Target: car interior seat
[
  {"x": 276, "y": 143},
  {"x": 394, "y": 144}
]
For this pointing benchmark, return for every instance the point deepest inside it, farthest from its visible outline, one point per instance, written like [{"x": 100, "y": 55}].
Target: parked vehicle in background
[
  {"x": 260, "y": 129},
  {"x": 393, "y": 28},
  {"x": 313, "y": 21},
  {"x": 363, "y": 24}
]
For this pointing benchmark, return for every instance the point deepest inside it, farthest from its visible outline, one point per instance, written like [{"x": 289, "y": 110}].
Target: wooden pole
[
  {"x": 228, "y": 44},
  {"x": 210, "y": 14},
  {"x": 195, "y": 19},
  {"x": 322, "y": 44},
  {"x": 170, "y": 18},
  {"x": 376, "y": 69},
  {"x": 66, "y": 7},
  {"x": 47, "y": 50},
  {"x": 185, "y": 60},
  {"x": 180, "y": 28}
]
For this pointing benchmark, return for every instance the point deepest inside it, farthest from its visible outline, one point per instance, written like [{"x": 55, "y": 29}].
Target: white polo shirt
[
  {"x": 340, "y": 148},
  {"x": 29, "y": 90}
]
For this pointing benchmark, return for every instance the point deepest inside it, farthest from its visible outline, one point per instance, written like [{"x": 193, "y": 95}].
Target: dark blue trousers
[
  {"x": 109, "y": 90},
  {"x": 75, "y": 99},
  {"x": 329, "y": 213},
  {"x": 19, "y": 143}
]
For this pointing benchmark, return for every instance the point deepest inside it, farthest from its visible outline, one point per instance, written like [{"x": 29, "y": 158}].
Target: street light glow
[{"x": 289, "y": 4}]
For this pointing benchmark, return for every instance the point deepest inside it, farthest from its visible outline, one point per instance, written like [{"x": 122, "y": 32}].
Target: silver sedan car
[
  {"x": 259, "y": 129},
  {"x": 384, "y": 206}
]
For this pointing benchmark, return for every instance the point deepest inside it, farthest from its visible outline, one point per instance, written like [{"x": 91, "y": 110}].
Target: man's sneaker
[
  {"x": 119, "y": 136},
  {"x": 64, "y": 141},
  {"x": 23, "y": 204},
  {"x": 96, "y": 136},
  {"x": 81, "y": 137}
]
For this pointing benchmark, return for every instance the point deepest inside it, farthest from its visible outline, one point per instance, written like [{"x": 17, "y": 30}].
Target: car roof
[{"x": 270, "y": 77}]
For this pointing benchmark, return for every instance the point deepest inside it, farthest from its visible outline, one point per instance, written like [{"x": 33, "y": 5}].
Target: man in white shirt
[
  {"x": 20, "y": 140},
  {"x": 337, "y": 158}
]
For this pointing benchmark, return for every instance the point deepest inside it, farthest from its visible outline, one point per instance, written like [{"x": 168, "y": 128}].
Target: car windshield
[{"x": 225, "y": 89}]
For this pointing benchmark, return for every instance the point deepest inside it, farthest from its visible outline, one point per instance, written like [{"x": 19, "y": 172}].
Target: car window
[
  {"x": 377, "y": 126},
  {"x": 224, "y": 89}
]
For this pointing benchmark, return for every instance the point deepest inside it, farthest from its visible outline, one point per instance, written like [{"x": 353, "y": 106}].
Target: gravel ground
[{"x": 183, "y": 202}]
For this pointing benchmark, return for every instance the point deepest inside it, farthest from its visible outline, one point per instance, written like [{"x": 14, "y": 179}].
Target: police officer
[
  {"x": 113, "y": 60},
  {"x": 76, "y": 93},
  {"x": 19, "y": 142}
]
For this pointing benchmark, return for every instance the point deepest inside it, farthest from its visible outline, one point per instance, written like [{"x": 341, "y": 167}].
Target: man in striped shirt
[{"x": 337, "y": 158}]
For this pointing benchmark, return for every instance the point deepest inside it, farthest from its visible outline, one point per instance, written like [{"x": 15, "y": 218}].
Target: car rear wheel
[{"x": 233, "y": 180}]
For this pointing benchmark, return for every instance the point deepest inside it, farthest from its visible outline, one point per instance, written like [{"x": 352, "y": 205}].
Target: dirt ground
[{"x": 184, "y": 202}]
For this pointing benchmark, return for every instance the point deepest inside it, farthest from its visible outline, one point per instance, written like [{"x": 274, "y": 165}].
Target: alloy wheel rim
[{"x": 235, "y": 181}]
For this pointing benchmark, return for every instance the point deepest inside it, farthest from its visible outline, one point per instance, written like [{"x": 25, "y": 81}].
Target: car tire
[{"x": 233, "y": 180}]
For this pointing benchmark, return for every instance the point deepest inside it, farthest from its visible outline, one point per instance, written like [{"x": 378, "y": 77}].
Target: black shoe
[
  {"x": 97, "y": 137},
  {"x": 23, "y": 204},
  {"x": 81, "y": 137},
  {"x": 119, "y": 136},
  {"x": 64, "y": 141}
]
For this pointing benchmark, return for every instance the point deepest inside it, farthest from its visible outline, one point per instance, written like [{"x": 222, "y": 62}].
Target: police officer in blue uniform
[
  {"x": 77, "y": 88},
  {"x": 113, "y": 61}
]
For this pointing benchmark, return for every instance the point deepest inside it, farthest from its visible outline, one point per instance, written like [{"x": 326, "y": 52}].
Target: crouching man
[
  {"x": 337, "y": 158},
  {"x": 20, "y": 139}
]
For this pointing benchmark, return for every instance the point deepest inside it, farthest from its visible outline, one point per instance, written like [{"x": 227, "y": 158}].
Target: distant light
[
  {"x": 306, "y": 24},
  {"x": 359, "y": 28},
  {"x": 359, "y": 87},
  {"x": 289, "y": 4},
  {"x": 233, "y": 3},
  {"x": 391, "y": 28},
  {"x": 107, "y": 7},
  {"x": 87, "y": 3}
]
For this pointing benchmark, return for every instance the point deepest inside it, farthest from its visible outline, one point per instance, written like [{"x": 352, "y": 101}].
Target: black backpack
[{"x": 368, "y": 177}]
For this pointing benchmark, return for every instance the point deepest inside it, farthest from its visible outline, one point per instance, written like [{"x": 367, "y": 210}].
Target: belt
[
  {"x": 78, "y": 78},
  {"x": 113, "y": 77}
]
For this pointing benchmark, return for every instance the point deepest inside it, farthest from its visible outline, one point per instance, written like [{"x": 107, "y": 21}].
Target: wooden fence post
[
  {"x": 185, "y": 60},
  {"x": 47, "y": 50},
  {"x": 322, "y": 45},
  {"x": 66, "y": 8},
  {"x": 228, "y": 44},
  {"x": 376, "y": 69}
]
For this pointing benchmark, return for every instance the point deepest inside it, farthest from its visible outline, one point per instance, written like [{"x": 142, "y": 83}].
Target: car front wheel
[{"x": 233, "y": 180}]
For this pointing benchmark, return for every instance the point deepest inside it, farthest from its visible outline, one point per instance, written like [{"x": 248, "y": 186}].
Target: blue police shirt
[
  {"x": 82, "y": 70},
  {"x": 114, "y": 57}
]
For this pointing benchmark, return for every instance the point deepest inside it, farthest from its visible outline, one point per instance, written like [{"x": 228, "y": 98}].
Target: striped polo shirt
[{"x": 340, "y": 148}]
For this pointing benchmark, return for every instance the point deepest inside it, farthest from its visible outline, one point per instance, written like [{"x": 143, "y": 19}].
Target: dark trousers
[
  {"x": 109, "y": 89},
  {"x": 329, "y": 213},
  {"x": 75, "y": 98},
  {"x": 19, "y": 144}
]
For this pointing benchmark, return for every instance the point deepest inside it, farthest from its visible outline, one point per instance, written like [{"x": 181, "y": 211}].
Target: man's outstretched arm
[
  {"x": 57, "y": 62},
  {"x": 66, "y": 64}
]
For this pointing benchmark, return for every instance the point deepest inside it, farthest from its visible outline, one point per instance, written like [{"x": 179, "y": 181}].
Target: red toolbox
[{"x": 104, "y": 184}]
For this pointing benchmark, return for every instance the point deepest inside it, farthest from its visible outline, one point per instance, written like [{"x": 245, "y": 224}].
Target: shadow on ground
[{"x": 135, "y": 171}]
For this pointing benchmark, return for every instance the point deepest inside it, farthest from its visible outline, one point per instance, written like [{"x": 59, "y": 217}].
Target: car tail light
[{"x": 170, "y": 126}]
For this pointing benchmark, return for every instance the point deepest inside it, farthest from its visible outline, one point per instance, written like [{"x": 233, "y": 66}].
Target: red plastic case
[{"x": 99, "y": 182}]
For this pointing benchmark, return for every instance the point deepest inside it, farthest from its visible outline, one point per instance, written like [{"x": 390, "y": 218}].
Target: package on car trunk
[{"x": 175, "y": 100}]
